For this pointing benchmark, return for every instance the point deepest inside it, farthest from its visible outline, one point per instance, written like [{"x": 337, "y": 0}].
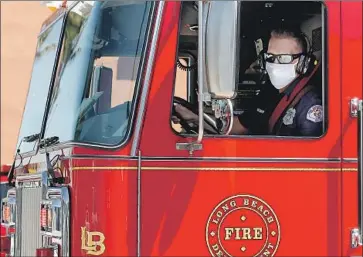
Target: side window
[
  {"x": 181, "y": 88},
  {"x": 280, "y": 87},
  {"x": 185, "y": 77}
]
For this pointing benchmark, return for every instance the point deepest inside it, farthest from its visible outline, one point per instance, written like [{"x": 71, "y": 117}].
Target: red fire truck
[{"x": 102, "y": 168}]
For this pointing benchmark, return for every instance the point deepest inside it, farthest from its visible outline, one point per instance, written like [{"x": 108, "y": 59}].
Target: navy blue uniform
[{"x": 304, "y": 119}]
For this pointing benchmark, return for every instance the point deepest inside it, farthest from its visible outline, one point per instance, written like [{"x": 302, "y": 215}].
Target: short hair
[{"x": 295, "y": 33}]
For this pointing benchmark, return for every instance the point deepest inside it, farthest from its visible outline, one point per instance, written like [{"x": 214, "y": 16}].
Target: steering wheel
[{"x": 185, "y": 124}]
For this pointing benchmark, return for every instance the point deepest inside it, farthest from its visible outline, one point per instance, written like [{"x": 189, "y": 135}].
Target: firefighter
[{"x": 289, "y": 107}]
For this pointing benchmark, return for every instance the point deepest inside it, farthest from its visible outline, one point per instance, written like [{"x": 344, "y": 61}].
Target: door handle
[
  {"x": 354, "y": 106},
  {"x": 356, "y": 110}
]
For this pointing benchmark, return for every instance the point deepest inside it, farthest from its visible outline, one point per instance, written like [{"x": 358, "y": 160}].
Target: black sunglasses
[{"x": 281, "y": 58}]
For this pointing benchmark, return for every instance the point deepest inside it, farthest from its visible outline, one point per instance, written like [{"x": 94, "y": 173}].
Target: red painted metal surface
[
  {"x": 309, "y": 208},
  {"x": 3, "y": 172},
  {"x": 352, "y": 84},
  {"x": 104, "y": 200},
  {"x": 3, "y": 177}
]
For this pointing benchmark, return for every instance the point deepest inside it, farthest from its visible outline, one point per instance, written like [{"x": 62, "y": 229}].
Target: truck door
[
  {"x": 246, "y": 195},
  {"x": 351, "y": 132}
]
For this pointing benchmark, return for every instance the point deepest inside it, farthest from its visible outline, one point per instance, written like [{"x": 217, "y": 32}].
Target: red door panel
[{"x": 351, "y": 87}]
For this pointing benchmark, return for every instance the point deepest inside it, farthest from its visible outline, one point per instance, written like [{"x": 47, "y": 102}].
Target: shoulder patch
[{"x": 315, "y": 113}]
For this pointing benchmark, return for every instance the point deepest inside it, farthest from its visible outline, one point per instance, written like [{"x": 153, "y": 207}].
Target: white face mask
[{"x": 281, "y": 74}]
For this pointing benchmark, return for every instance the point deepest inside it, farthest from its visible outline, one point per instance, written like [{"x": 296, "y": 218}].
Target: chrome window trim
[
  {"x": 209, "y": 159},
  {"x": 350, "y": 160},
  {"x": 139, "y": 205},
  {"x": 147, "y": 81}
]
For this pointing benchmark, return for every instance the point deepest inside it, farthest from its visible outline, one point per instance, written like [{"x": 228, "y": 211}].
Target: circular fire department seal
[{"x": 243, "y": 225}]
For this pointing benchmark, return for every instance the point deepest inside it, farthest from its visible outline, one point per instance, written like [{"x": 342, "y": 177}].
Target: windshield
[
  {"x": 39, "y": 84},
  {"x": 98, "y": 71}
]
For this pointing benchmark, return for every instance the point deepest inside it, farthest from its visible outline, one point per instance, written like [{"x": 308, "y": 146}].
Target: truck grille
[
  {"x": 33, "y": 195},
  {"x": 28, "y": 225},
  {"x": 30, "y": 189}
]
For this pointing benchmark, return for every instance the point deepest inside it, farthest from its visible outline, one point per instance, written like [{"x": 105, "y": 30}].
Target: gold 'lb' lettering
[{"x": 90, "y": 244}]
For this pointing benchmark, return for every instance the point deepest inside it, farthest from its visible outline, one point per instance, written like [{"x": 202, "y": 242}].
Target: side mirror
[{"x": 221, "y": 31}]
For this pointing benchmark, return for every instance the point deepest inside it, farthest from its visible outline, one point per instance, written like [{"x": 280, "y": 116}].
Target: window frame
[
  {"x": 136, "y": 95},
  {"x": 325, "y": 88}
]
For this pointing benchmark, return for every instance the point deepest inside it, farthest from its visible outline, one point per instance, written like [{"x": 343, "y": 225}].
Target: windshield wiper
[
  {"x": 27, "y": 139},
  {"x": 30, "y": 138},
  {"x": 46, "y": 142}
]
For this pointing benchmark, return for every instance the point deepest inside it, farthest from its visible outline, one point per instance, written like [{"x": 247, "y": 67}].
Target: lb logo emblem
[
  {"x": 243, "y": 225},
  {"x": 90, "y": 242}
]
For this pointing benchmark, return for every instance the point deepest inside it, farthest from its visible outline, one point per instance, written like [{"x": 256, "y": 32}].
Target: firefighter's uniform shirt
[{"x": 304, "y": 119}]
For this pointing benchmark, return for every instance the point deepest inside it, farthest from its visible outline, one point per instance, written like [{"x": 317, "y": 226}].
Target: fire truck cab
[{"x": 106, "y": 166}]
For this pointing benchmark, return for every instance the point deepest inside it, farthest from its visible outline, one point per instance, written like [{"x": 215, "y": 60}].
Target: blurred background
[{"x": 20, "y": 24}]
